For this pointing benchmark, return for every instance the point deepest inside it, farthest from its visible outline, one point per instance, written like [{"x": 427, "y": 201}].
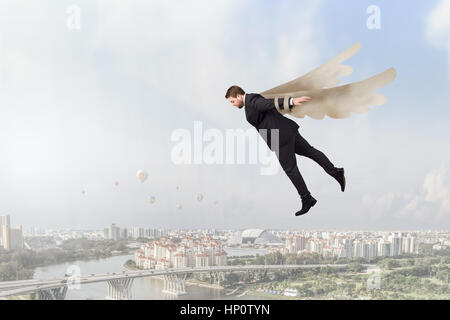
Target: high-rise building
[
  {"x": 365, "y": 252},
  {"x": 348, "y": 248},
  {"x": 406, "y": 241},
  {"x": 384, "y": 248},
  {"x": 16, "y": 237},
  {"x": 373, "y": 249},
  {"x": 201, "y": 260},
  {"x": 5, "y": 220},
  {"x": 413, "y": 248},
  {"x": 300, "y": 243},
  {"x": 6, "y": 237},
  {"x": 358, "y": 248},
  {"x": 409, "y": 244},
  {"x": 124, "y": 233},
  {"x": 5, "y": 228},
  {"x": 396, "y": 244},
  {"x": 12, "y": 239},
  {"x": 289, "y": 245},
  {"x": 150, "y": 233},
  {"x": 317, "y": 246},
  {"x": 137, "y": 232},
  {"x": 113, "y": 232}
]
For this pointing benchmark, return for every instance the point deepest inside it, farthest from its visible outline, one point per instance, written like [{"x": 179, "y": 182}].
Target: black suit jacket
[{"x": 262, "y": 114}]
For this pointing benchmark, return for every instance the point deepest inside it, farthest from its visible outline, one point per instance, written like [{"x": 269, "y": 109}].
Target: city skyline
[
  {"x": 182, "y": 249},
  {"x": 191, "y": 245},
  {"x": 101, "y": 228}
]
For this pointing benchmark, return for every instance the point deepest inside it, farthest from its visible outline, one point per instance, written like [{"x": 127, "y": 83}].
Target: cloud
[
  {"x": 429, "y": 204},
  {"x": 438, "y": 25},
  {"x": 437, "y": 191},
  {"x": 191, "y": 52}
]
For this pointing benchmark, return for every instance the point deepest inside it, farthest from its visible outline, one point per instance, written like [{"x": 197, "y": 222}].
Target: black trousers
[{"x": 298, "y": 145}]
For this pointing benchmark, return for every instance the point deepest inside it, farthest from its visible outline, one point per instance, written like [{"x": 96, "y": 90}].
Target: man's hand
[{"x": 299, "y": 101}]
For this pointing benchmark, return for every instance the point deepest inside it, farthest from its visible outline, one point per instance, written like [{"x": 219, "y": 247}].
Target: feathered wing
[
  {"x": 339, "y": 102},
  {"x": 323, "y": 76},
  {"x": 335, "y": 102}
]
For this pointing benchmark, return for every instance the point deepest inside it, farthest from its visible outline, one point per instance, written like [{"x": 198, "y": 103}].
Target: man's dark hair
[{"x": 233, "y": 91}]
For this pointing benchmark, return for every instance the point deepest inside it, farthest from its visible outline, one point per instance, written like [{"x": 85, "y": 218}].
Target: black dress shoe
[
  {"x": 307, "y": 203},
  {"x": 340, "y": 177}
]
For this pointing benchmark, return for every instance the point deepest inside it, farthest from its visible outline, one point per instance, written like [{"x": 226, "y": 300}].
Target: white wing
[
  {"x": 324, "y": 76},
  {"x": 339, "y": 102}
]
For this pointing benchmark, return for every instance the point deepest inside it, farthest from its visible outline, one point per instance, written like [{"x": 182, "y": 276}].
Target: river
[{"x": 142, "y": 288}]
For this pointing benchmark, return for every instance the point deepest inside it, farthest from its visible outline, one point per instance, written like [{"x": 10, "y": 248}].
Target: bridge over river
[{"x": 119, "y": 285}]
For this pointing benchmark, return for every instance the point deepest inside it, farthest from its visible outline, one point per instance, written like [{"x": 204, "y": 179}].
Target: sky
[{"x": 91, "y": 92}]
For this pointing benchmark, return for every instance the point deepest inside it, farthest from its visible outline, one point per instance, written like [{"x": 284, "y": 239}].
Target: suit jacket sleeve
[{"x": 262, "y": 104}]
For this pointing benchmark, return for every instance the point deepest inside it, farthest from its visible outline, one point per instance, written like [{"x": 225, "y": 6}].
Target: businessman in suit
[{"x": 263, "y": 115}]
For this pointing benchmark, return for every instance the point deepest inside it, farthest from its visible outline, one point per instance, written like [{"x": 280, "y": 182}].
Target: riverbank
[{"x": 86, "y": 259}]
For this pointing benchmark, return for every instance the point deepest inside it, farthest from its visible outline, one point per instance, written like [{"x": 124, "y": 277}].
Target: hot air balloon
[
  {"x": 179, "y": 206},
  {"x": 151, "y": 199},
  {"x": 116, "y": 183},
  {"x": 199, "y": 197},
  {"x": 142, "y": 175}
]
